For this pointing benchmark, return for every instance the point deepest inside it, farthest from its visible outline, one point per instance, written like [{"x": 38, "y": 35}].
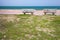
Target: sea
[{"x": 30, "y": 7}]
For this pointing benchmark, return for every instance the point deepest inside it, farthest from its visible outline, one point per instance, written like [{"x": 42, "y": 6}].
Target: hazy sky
[{"x": 29, "y": 2}]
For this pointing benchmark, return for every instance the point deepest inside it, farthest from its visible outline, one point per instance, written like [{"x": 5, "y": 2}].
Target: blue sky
[{"x": 29, "y": 2}]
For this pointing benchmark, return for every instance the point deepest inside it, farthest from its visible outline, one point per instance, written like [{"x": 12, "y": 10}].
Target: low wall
[
  {"x": 57, "y": 12},
  {"x": 37, "y": 12},
  {"x": 11, "y": 12}
]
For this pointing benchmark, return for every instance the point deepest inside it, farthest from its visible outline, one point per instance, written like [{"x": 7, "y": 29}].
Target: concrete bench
[
  {"x": 28, "y": 11},
  {"x": 51, "y": 11}
]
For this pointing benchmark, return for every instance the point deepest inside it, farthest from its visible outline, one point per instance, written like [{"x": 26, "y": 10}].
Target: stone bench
[
  {"x": 51, "y": 11},
  {"x": 28, "y": 11}
]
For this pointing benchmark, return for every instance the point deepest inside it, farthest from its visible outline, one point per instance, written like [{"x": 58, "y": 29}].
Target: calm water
[{"x": 30, "y": 7}]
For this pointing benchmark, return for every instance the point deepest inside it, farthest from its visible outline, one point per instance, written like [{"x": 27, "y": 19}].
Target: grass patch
[{"x": 30, "y": 27}]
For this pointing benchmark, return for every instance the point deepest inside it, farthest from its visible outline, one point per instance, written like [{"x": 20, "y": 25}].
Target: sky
[{"x": 29, "y": 2}]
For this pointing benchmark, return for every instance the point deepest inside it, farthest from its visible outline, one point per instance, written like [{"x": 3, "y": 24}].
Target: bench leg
[
  {"x": 52, "y": 13},
  {"x": 45, "y": 13},
  {"x": 32, "y": 13},
  {"x": 24, "y": 13}
]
